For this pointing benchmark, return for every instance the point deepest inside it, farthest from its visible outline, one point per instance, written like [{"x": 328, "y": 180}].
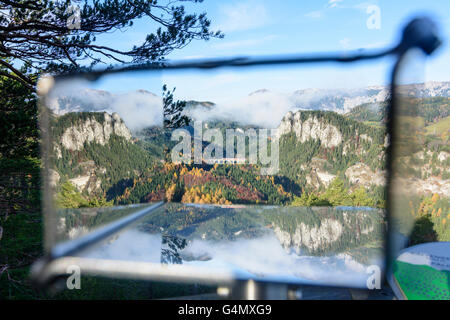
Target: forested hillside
[
  {"x": 423, "y": 162},
  {"x": 430, "y": 109},
  {"x": 96, "y": 154},
  {"x": 348, "y": 142},
  {"x": 326, "y": 159}
]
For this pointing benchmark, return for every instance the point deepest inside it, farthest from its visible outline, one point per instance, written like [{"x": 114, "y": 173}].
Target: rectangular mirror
[{"x": 274, "y": 172}]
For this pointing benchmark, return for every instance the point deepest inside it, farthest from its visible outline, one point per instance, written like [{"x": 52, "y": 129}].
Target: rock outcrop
[
  {"x": 428, "y": 187},
  {"x": 54, "y": 178},
  {"x": 361, "y": 174},
  {"x": 315, "y": 231},
  {"x": 311, "y": 128},
  {"x": 92, "y": 130},
  {"x": 89, "y": 179},
  {"x": 311, "y": 238}
]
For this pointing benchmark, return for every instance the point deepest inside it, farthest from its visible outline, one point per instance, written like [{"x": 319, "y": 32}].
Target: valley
[{"x": 326, "y": 158}]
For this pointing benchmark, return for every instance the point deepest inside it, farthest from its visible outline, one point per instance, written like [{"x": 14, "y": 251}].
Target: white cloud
[
  {"x": 333, "y": 3},
  {"x": 362, "y": 6},
  {"x": 318, "y": 14},
  {"x": 263, "y": 256},
  {"x": 131, "y": 245},
  {"x": 314, "y": 14},
  {"x": 264, "y": 108},
  {"x": 243, "y": 16},
  {"x": 139, "y": 109}
]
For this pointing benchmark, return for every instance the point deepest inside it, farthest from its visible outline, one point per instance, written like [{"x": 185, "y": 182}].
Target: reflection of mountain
[
  {"x": 170, "y": 249},
  {"x": 245, "y": 241},
  {"x": 303, "y": 230},
  {"x": 324, "y": 230},
  {"x": 74, "y": 223},
  {"x": 319, "y": 244}
]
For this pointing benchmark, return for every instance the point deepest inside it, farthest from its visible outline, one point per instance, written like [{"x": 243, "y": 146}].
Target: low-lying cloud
[
  {"x": 260, "y": 257},
  {"x": 264, "y": 109},
  {"x": 139, "y": 109},
  {"x": 266, "y": 257}
]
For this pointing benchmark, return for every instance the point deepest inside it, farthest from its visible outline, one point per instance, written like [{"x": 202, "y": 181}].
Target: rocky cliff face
[
  {"x": 312, "y": 128},
  {"x": 311, "y": 238},
  {"x": 92, "y": 130},
  {"x": 332, "y": 234},
  {"x": 342, "y": 141},
  {"x": 89, "y": 179},
  {"x": 426, "y": 181},
  {"x": 361, "y": 174}
]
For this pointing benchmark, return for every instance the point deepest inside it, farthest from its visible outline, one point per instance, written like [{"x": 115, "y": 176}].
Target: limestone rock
[
  {"x": 92, "y": 130},
  {"x": 312, "y": 128}
]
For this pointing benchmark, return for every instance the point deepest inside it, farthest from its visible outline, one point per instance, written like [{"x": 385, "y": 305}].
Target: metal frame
[{"x": 420, "y": 33}]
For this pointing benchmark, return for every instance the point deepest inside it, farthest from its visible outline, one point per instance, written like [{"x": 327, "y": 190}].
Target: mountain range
[
  {"x": 103, "y": 151},
  {"x": 337, "y": 100}
]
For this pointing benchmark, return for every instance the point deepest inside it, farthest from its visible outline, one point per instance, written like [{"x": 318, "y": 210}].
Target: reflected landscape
[
  {"x": 321, "y": 245},
  {"x": 280, "y": 181}
]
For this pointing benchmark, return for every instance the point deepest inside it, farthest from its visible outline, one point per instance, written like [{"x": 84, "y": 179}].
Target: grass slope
[
  {"x": 419, "y": 282},
  {"x": 439, "y": 127}
]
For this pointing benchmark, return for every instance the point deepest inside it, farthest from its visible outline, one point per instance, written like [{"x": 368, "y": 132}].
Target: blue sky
[{"x": 256, "y": 27}]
